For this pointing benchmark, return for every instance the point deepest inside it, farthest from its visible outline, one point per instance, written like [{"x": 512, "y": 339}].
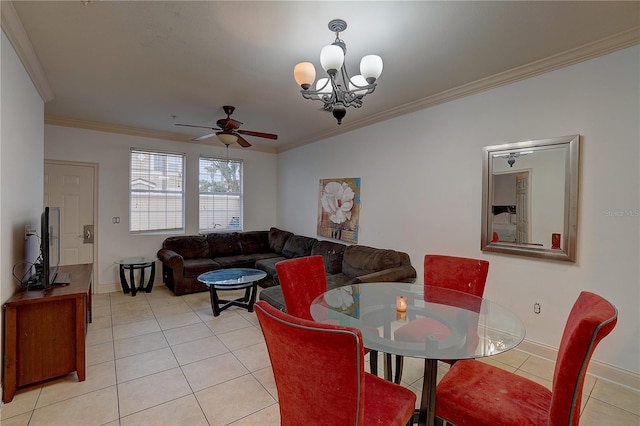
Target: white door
[{"x": 71, "y": 187}]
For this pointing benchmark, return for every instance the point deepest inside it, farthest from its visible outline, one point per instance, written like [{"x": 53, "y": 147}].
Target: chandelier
[
  {"x": 338, "y": 91},
  {"x": 511, "y": 157}
]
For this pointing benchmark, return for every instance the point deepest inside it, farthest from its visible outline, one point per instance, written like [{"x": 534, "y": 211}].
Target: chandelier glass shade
[{"x": 338, "y": 91}]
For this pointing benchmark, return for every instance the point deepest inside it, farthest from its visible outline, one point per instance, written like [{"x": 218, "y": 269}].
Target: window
[
  {"x": 220, "y": 194},
  {"x": 156, "y": 191}
]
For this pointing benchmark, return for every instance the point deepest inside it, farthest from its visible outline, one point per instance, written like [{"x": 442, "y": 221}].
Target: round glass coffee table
[
  {"x": 232, "y": 279},
  {"x": 132, "y": 264}
]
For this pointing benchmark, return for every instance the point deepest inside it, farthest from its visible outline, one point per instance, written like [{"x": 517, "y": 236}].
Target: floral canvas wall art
[{"x": 339, "y": 209}]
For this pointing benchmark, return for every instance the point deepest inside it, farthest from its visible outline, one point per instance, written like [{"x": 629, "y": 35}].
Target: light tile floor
[{"x": 157, "y": 359}]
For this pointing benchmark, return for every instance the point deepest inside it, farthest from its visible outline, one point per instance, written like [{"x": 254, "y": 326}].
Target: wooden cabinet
[{"x": 45, "y": 331}]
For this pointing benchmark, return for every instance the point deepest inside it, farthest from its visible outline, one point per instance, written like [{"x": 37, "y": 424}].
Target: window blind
[{"x": 156, "y": 189}]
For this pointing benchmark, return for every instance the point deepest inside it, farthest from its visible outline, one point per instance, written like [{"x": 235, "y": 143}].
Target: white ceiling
[{"x": 130, "y": 66}]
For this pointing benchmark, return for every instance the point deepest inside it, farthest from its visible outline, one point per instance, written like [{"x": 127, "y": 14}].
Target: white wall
[
  {"x": 421, "y": 190},
  {"x": 111, "y": 153},
  {"x": 21, "y": 165}
]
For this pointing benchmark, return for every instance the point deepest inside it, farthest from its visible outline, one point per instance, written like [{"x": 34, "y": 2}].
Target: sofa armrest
[
  {"x": 405, "y": 273},
  {"x": 171, "y": 259}
]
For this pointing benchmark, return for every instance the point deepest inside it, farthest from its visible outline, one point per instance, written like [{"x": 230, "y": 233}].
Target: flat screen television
[
  {"x": 46, "y": 267},
  {"x": 50, "y": 244}
]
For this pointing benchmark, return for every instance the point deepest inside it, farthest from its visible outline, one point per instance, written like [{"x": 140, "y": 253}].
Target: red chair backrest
[
  {"x": 590, "y": 320},
  {"x": 456, "y": 273},
  {"x": 302, "y": 279},
  {"x": 318, "y": 368}
]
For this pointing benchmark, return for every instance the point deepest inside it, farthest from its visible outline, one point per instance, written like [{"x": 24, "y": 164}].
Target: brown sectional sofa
[{"x": 185, "y": 257}]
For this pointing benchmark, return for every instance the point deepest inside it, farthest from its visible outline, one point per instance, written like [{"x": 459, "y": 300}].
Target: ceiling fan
[{"x": 228, "y": 130}]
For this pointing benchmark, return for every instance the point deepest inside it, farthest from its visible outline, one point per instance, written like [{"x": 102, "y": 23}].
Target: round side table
[{"x": 132, "y": 264}]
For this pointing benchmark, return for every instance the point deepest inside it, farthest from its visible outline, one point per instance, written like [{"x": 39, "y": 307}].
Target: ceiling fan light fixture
[
  {"x": 338, "y": 91},
  {"x": 227, "y": 138},
  {"x": 305, "y": 74}
]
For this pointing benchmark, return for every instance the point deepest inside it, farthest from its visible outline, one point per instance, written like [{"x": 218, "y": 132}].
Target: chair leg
[{"x": 373, "y": 361}]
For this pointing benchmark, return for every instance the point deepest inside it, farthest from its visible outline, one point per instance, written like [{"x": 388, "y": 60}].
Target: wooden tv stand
[{"x": 45, "y": 330}]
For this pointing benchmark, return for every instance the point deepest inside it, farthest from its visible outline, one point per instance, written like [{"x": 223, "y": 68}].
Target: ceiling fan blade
[
  {"x": 258, "y": 134},
  {"x": 193, "y": 125},
  {"x": 243, "y": 142},
  {"x": 199, "y": 138}
]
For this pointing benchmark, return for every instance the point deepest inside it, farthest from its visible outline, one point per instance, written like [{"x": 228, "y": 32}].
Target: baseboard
[{"x": 596, "y": 368}]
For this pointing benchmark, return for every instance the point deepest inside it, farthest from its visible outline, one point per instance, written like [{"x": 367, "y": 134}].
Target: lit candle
[{"x": 401, "y": 303}]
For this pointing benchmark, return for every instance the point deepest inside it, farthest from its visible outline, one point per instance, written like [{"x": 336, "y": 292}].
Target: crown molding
[
  {"x": 56, "y": 120},
  {"x": 14, "y": 30},
  {"x": 583, "y": 53}
]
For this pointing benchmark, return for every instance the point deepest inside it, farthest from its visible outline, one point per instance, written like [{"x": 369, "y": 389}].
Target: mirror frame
[{"x": 570, "y": 228}]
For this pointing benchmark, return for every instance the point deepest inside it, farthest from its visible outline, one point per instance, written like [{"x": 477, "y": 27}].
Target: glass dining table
[{"x": 474, "y": 327}]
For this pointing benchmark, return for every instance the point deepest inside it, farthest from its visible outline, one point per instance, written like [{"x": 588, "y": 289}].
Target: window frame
[
  {"x": 165, "y": 176},
  {"x": 240, "y": 194}
]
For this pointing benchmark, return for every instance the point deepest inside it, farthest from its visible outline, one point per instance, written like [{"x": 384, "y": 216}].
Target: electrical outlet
[{"x": 536, "y": 308}]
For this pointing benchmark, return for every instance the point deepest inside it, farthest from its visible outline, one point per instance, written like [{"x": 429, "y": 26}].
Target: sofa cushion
[
  {"x": 331, "y": 253},
  {"x": 238, "y": 261},
  {"x": 362, "y": 260},
  {"x": 224, "y": 244},
  {"x": 269, "y": 265},
  {"x": 298, "y": 246},
  {"x": 274, "y": 297},
  {"x": 277, "y": 239},
  {"x": 254, "y": 242},
  {"x": 195, "y": 267},
  {"x": 188, "y": 246}
]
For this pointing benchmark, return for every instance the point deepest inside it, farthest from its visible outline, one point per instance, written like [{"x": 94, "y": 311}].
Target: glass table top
[
  {"x": 450, "y": 324},
  {"x": 231, "y": 276},
  {"x": 135, "y": 260}
]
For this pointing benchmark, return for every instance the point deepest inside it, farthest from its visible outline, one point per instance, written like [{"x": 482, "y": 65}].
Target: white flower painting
[{"x": 339, "y": 209}]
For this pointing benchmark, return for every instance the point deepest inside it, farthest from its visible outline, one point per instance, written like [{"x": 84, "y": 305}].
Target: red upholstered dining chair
[
  {"x": 302, "y": 279},
  {"x": 455, "y": 273},
  {"x": 320, "y": 377},
  {"x": 476, "y": 393}
]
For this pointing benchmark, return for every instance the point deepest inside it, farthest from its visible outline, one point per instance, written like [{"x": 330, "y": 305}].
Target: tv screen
[{"x": 50, "y": 244}]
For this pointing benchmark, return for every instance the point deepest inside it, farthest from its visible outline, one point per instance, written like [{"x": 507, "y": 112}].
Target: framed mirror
[{"x": 530, "y": 198}]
